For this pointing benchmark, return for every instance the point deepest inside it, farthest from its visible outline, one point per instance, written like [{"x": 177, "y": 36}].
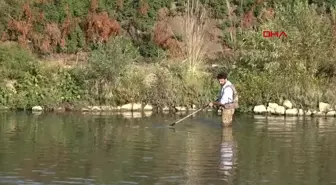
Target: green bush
[
  {"x": 106, "y": 64},
  {"x": 271, "y": 69}
]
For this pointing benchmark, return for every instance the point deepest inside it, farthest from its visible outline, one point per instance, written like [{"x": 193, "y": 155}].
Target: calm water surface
[{"x": 113, "y": 149}]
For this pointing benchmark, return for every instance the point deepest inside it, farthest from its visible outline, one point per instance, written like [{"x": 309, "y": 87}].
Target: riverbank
[
  {"x": 141, "y": 110},
  {"x": 116, "y": 73},
  {"x": 164, "y": 86}
]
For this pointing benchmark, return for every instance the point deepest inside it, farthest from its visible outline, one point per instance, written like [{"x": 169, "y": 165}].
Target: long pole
[{"x": 188, "y": 115}]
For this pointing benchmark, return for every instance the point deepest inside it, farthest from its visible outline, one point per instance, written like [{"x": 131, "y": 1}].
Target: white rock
[
  {"x": 37, "y": 108},
  {"x": 148, "y": 107},
  {"x": 319, "y": 113},
  {"x": 95, "y": 108},
  {"x": 181, "y": 108},
  {"x": 259, "y": 109},
  {"x": 127, "y": 106},
  {"x": 331, "y": 113},
  {"x": 273, "y": 105},
  {"x": 106, "y": 108},
  {"x": 280, "y": 110},
  {"x": 308, "y": 113},
  {"x": 271, "y": 110},
  {"x": 292, "y": 112},
  {"x": 324, "y": 107},
  {"x": 193, "y": 107},
  {"x": 287, "y": 104},
  {"x": 85, "y": 109},
  {"x": 137, "y": 106},
  {"x": 301, "y": 112}
]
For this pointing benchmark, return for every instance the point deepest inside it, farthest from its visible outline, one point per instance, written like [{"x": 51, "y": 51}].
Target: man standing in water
[{"x": 227, "y": 99}]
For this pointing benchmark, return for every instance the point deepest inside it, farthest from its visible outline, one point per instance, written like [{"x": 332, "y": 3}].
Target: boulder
[
  {"x": 301, "y": 112},
  {"x": 137, "y": 106},
  {"x": 273, "y": 105},
  {"x": 37, "y": 108},
  {"x": 193, "y": 107},
  {"x": 270, "y": 110},
  {"x": 308, "y": 113},
  {"x": 131, "y": 106},
  {"x": 324, "y": 107},
  {"x": 106, "y": 108},
  {"x": 280, "y": 110},
  {"x": 331, "y": 113},
  {"x": 259, "y": 109},
  {"x": 95, "y": 108},
  {"x": 181, "y": 108},
  {"x": 292, "y": 112},
  {"x": 148, "y": 107},
  {"x": 287, "y": 104},
  {"x": 319, "y": 113},
  {"x": 127, "y": 106},
  {"x": 85, "y": 110}
]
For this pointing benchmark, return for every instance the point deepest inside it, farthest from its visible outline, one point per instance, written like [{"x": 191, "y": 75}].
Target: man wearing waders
[{"x": 227, "y": 100}]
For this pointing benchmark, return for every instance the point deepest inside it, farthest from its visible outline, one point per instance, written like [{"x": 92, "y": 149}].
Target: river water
[{"x": 72, "y": 148}]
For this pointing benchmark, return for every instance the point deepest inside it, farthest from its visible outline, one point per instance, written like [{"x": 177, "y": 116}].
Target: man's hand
[{"x": 211, "y": 104}]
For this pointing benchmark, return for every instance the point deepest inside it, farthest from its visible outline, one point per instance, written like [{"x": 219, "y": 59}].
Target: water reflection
[{"x": 227, "y": 154}]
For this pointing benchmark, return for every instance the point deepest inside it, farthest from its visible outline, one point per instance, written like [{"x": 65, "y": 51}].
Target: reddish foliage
[
  {"x": 162, "y": 14},
  {"x": 144, "y": 7},
  {"x": 53, "y": 33},
  {"x": 46, "y": 45},
  {"x": 52, "y": 36},
  {"x": 163, "y": 37},
  {"x": 41, "y": 17},
  {"x": 99, "y": 27},
  {"x": 21, "y": 29},
  {"x": 162, "y": 33},
  {"x": 66, "y": 27},
  {"x": 174, "y": 47},
  {"x": 27, "y": 12},
  {"x": 247, "y": 21}
]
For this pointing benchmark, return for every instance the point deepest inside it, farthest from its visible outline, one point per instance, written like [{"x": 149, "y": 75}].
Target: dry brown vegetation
[
  {"x": 99, "y": 28},
  {"x": 164, "y": 36}
]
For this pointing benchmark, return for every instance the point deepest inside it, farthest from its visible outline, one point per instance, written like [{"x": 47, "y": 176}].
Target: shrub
[{"x": 271, "y": 69}]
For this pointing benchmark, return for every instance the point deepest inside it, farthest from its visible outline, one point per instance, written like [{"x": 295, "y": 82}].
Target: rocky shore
[
  {"x": 287, "y": 109},
  {"x": 284, "y": 109},
  {"x": 136, "y": 107}
]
